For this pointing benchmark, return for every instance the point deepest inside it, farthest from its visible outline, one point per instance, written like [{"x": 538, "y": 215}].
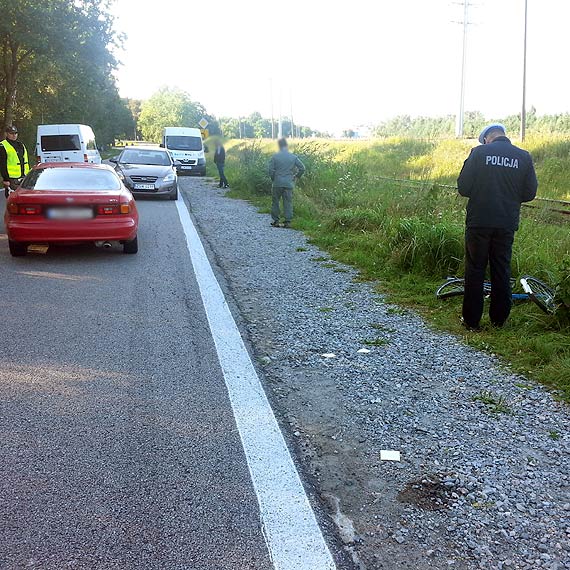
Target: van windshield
[
  {"x": 71, "y": 179},
  {"x": 184, "y": 143},
  {"x": 52, "y": 143}
]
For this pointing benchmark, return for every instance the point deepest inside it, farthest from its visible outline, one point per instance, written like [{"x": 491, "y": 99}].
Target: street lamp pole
[{"x": 523, "y": 110}]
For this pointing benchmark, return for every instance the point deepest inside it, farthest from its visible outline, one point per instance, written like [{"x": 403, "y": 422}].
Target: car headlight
[
  {"x": 201, "y": 161},
  {"x": 169, "y": 177},
  {"x": 120, "y": 175}
]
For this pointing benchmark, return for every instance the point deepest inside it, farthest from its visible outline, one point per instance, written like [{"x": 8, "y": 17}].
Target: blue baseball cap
[{"x": 489, "y": 128}]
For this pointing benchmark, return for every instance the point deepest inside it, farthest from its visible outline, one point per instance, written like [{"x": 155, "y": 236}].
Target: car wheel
[
  {"x": 17, "y": 249},
  {"x": 131, "y": 246},
  {"x": 174, "y": 195}
]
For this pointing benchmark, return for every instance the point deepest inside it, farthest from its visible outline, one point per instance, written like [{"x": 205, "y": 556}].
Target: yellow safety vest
[{"x": 14, "y": 166}]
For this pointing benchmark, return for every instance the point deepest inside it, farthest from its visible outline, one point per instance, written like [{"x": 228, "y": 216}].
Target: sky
[{"x": 346, "y": 63}]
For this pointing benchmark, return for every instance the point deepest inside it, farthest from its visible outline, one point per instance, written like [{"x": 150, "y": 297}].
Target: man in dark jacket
[
  {"x": 14, "y": 162},
  {"x": 220, "y": 162},
  {"x": 496, "y": 177}
]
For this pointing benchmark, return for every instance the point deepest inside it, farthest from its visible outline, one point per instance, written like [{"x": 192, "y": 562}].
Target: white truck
[
  {"x": 66, "y": 143},
  {"x": 186, "y": 147}
]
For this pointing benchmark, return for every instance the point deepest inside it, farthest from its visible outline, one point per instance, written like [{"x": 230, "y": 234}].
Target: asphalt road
[{"x": 118, "y": 447}]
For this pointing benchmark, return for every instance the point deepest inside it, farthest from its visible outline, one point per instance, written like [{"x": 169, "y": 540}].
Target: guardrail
[{"x": 561, "y": 206}]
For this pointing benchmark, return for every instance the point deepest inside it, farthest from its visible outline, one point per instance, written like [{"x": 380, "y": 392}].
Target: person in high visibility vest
[{"x": 14, "y": 164}]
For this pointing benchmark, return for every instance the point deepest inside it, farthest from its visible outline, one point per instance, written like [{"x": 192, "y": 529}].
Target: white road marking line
[{"x": 292, "y": 534}]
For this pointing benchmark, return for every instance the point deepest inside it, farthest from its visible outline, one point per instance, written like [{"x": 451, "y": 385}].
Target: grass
[
  {"x": 376, "y": 341},
  {"x": 493, "y": 403},
  {"x": 408, "y": 237}
]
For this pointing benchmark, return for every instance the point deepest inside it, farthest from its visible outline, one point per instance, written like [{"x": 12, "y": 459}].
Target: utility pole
[
  {"x": 461, "y": 115},
  {"x": 280, "y": 129},
  {"x": 292, "y": 123},
  {"x": 523, "y": 110},
  {"x": 272, "y": 116}
]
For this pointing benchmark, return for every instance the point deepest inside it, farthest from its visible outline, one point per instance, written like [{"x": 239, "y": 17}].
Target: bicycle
[{"x": 534, "y": 289}]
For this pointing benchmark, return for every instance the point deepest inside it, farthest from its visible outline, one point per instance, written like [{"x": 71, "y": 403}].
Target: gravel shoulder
[{"x": 483, "y": 479}]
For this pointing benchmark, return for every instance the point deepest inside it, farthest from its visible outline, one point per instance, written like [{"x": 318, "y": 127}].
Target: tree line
[
  {"x": 174, "y": 107},
  {"x": 444, "y": 127}
]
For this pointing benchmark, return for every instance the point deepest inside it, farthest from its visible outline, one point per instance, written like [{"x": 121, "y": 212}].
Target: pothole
[{"x": 428, "y": 493}]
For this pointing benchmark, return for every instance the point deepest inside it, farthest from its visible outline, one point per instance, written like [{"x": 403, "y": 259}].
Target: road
[{"x": 118, "y": 441}]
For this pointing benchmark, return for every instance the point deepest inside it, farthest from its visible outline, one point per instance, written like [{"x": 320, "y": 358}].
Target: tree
[
  {"x": 168, "y": 108},
  {"x": 56, "y": 65},
  {"x": 53, "y": 33}
]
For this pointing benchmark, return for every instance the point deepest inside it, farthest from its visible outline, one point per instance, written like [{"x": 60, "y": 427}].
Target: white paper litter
[
  {"x": 328, "y": 355},
  {"x": 363, "y": 351},
  {"x": 389, "y": 455}
]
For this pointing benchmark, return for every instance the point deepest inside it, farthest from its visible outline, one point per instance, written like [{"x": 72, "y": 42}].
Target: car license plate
[
  {"x": 143, "y": 186},
  {"x": 186, "y": 167},
  {"x": 70, "y": 213}
]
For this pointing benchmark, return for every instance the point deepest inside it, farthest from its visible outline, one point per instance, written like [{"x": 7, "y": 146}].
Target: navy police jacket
[{"x": 497, "y": 177}]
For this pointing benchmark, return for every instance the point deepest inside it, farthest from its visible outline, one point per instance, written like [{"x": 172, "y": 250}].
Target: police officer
[
  {"x": 284, "y": 168},
  {"x": 14, "y": 163},
  {"x": 496, "y": 177}
]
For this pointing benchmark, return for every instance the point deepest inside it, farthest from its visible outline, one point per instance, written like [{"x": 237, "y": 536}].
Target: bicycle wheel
[
  {"x": 540, "y": 293},
  {"x": 451, "y": 288}
]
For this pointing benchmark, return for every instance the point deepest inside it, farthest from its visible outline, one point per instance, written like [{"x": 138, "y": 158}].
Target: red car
[{"x": 70, "y": 203}]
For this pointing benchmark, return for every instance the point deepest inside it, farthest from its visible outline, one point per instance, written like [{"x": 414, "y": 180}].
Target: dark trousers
[
  {"x": 493, "y": 247},
  {"x": 223, "y": 179}
]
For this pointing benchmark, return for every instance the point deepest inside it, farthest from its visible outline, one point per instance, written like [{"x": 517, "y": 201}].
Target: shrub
[
  {"x": 252, "y": 169},
  {"x": 429, "y": 249},
  {"x": 563, "y": 289}
]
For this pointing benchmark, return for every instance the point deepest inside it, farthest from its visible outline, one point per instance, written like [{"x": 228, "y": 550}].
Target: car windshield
[
  {"x": 150, "y": 157},
  {"x": 71, "y": 179},
  {"x": 52, "y": 143},
  {"x": 184, "y": 143}
]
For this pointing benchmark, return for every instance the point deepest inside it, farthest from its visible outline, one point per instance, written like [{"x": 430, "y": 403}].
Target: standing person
[
  {"x": 496, "y": 177},
  {"x": 284, "y": 168},
  {"x": 14, "y": 163},
  {"x": 220, "y": 162}
]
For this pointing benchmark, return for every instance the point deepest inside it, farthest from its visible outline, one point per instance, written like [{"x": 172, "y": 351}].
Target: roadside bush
[
  {"x": 428, "y": 249},
  {"x": 563, "y": 290},
  {"x": 252, "y": 169},
  {"x": 358, "y": 219}
]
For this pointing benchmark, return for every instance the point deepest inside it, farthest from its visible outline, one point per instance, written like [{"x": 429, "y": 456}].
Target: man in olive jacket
[
  {"x": 496, "y": 177},
  {"x": 284, "y": 168}
]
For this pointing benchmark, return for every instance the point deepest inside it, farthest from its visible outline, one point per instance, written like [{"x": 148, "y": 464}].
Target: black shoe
[
  {"x": 227, "y": 186},
  {"x": 471, "y": 328},
  {"x": 287, "y": 225},
  {"x": 276, "y": 224}
]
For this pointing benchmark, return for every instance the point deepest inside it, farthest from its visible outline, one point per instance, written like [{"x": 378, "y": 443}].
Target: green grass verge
[{"x": 409, "y": 238}]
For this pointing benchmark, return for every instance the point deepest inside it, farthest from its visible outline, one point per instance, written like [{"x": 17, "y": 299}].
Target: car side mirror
[
  {"x": 114, "y": 159},
  {"x": 161, "y": 145}
]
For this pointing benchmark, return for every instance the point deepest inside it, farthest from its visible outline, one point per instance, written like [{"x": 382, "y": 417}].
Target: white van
[
  {"x": 66, "y": 143},
  {"x": 186, "y": 147}
]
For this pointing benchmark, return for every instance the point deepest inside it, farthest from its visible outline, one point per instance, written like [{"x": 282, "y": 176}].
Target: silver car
[{"x": 148, "y": 171}]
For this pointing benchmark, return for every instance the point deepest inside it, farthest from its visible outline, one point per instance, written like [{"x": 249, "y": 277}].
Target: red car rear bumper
[{"x": 42, "y": 230}]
